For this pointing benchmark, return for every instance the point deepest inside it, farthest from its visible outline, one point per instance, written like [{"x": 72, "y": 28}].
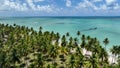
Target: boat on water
[{"x": 93, "y": 28}]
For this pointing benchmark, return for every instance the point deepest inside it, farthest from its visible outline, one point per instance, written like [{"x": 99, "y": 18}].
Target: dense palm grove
[{"x": 23, "y": 47}]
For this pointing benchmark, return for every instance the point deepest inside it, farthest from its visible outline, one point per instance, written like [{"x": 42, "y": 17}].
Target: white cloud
[
  {"x": 68, "y": 3},
  {"x": 39, "y": 0},
  {"x": 109, "y": 8},
  {"x": 117, "y": 6},
  {"x": 109, "y": 5},
  {"x": 108, "y": 2},
  {"x": 1, "y": 6},
  {"x": 86, "y": 4},
  {"x": 10, "y": 5},
  {"x": 112, "y": 4},
  {"x": 97, "y": 0},
  {"x": 103, "y": 7},
  {"x": 6, "y": 2},
  {"x": 45, "y": 8},
  {"x": 31, "y": 5},
  {"x": 18, "y": 6}
]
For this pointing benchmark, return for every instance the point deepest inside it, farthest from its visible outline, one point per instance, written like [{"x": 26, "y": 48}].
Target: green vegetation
[{"x": 23, "y": 47}]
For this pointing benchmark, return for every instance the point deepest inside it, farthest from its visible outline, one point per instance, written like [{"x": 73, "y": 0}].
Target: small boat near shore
[{"x": 93, "y": 28}]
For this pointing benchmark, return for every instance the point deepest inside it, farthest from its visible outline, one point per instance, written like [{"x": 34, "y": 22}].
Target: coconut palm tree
[
  {"x": 40, "y": 28},
  {"x": 75, "y": 41},
  {"x": 93, "y": 62},
  {"x": 88, "y": 38},
  {"x": 78, "y": 33},
  {"x": 103, "y": 56},
  {"x": 57, "y": 39},
  {"x": 40, "y": 60},
  {"x": 63, "y": 50},
  {"x": 89, "y": 45},
  {"x": 118, "y": 60},
  {"x": 79, "y": 50},
  {"x": 81, "y": 61},
  {"x": 83, "y": 44},
  {"x": 83, "y": 37},
  {"x": 70, "y": 42},
  {"x": 106, "y": 42},
  {"x": 115, "y": 51},
  {"x": 53, "y": 53},
  {"x": 72, "y": 62},
  {"x": 2, "y": 59},
  {"x": 63, "y": 43},
  {"x": 67, "y": 34},
  {"x": 14, "y": 57}
]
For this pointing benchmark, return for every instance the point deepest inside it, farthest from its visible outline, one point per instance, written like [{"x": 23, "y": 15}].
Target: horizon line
[{"x": 59, "y": 16}]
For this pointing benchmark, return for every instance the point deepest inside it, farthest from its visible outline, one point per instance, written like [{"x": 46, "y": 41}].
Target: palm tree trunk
[
  {"x": 112, "y": 58},
  {"x": 105, "y": 47}
]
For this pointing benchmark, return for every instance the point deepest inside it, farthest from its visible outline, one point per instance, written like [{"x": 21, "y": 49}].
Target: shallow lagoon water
[{"x": 106, "y": 27}]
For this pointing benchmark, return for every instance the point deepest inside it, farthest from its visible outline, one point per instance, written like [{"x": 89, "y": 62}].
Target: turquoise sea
[{"x": 106, "y": 27}]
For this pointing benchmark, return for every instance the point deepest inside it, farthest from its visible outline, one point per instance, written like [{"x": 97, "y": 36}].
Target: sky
[{"x": 59, "y": 7}]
